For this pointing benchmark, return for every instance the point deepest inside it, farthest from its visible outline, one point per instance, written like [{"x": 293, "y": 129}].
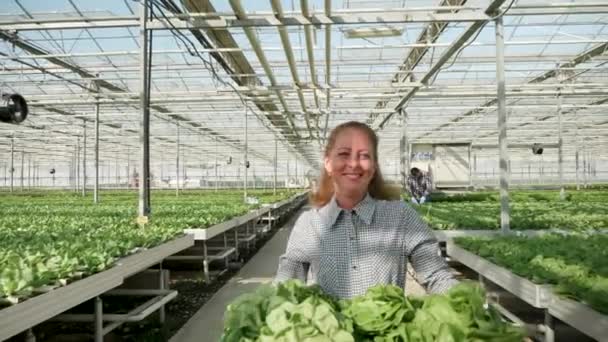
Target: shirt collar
[{"x": 364, "y": 210}]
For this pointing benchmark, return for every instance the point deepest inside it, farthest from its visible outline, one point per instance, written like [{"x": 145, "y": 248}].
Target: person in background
[
  {"x": 358, "y": 233},
  {"x": 419, "y": 186}
]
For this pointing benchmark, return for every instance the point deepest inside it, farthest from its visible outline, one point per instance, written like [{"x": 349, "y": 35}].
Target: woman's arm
[
  {"x": 302, "y": 244},
  {"x": 423, "y": 253}
]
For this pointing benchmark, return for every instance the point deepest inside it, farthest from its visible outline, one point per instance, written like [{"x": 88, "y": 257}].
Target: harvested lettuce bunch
[
  {"x": 293, "y": 312},
  {"x": 288, "y": 312}
]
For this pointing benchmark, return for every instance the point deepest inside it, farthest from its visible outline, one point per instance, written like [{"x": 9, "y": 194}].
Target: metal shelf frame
[
  {"x": 247, "y": 221},
  {"x": 541, "y": 296},
  {"x": 22, "y": 316},
  {"x": 536, "y": 295},
  {"x": 581, "y": 317}
]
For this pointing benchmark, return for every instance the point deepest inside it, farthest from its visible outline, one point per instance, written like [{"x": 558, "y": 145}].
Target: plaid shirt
[
  {"x": 348, "y": 251},
  {"x": 419, "y": 187}
]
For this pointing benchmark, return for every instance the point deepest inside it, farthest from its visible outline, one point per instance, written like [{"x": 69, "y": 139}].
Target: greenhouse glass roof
[{"x": 298, "y": 68}]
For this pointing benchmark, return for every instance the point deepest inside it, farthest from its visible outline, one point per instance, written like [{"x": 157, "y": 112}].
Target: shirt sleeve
[
  {"x": 301, "y": 246},
  {"x": 410, "y": 186},
  {"x": 428, "y": 183},
  {"x": 423, "y": 253}
]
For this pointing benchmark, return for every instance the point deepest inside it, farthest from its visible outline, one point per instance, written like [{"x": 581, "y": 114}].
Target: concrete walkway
[{"x": 207, "y": 324}]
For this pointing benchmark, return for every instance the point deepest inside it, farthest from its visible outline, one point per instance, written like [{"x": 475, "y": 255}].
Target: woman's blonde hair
[{"x": 377, "y": 188}]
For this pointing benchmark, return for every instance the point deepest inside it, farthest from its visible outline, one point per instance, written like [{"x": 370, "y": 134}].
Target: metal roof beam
[
  {"x": 449, "y": 53},
  {"x": 429, "y": 34},
  {"x": 276, "y": 6},
  {"x": 583, "y": 57},
  {"x": 250, "y": 33},
  {"x": 26, "y": 46},
  {"x": 572, "y": 109},
  {"x": 260, "y": 19},
  {"x": 310, "y": 52},
  {"x": 223, "y": 39}
]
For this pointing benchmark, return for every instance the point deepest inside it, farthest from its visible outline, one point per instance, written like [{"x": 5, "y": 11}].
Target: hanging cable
[{"x": 194, "y": 52}]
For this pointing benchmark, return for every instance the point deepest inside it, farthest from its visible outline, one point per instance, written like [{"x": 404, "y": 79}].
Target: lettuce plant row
[
  {"x": 529, "y": 210},
  {"x": 50, "y": 239},
  {"x": 574, "y": 264}
]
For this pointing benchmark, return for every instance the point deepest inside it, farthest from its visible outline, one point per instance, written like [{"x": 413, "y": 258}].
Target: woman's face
[{"x": 351, "y": 163}]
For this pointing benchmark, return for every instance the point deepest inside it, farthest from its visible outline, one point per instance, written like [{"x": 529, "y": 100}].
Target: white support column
[
  {"x": 274, "y": 183},
  {"x": 576, "y": 153},
  {"x": 288, "y": 175},
  {"x": 84, "y": 157},
  {"x": 29, "y": 173},
  {"x": 162, "y": 166},
  {"x": 116, "y": 171},
  {"x": 77, "y": 164},
  {"x": 470, "y": 168},
  {"x": 246, "y": 156},
  {"x": 475, "y": 167},
  {"x": 560, "y": 154},
  {"x": 145, "y": 42},
  {"x": 403, "y": 150},
  {"x": 408, "y": 157},
  {"x": 502, "y": 128},
  {"x": 541, "y": 170},
  {"x": 128, "y": 167},
  {"x": 589, "y": 170},
  {"x": 184, "y": 174},
  {"x": 585, "y": 171},
  {"x": 215, "y": 166},
  {"x": 22, "y": 167},
  {"x": 578, "y": 185},
  {"x": 177, "y": 161},
  {"x": 73, "y": 168},
  {"x": 96, "y": 187},
  {"x": 296, "y": 172}
]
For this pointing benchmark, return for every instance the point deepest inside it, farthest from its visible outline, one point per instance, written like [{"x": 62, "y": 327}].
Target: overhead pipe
[
  {"x": 278, "y": 9},
  {"x": 250, "y": 33},
  {"x": 310, "y": 50}
]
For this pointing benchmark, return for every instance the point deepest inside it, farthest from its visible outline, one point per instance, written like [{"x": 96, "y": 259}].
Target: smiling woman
[
  {"x": 351, "y": 167},
  {"x": 357, "y": 235}
]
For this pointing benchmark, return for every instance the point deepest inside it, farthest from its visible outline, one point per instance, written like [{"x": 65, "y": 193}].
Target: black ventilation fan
[
  {"x": 537, "y": 149},
  {"x": 14, "y": 109},
  {"x": 52, "y": 171}
]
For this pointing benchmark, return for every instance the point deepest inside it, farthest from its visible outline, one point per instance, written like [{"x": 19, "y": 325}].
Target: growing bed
[{"x": 564, "y": 274}]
